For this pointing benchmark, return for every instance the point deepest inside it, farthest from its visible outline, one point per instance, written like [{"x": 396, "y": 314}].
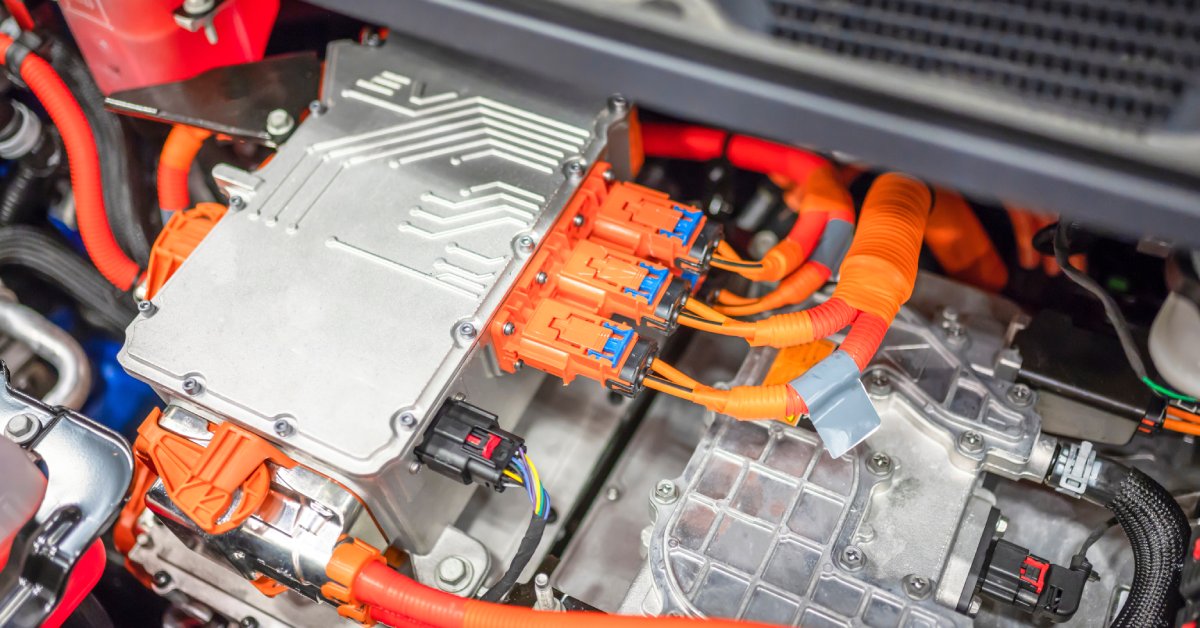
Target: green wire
[{"x": 1166, "y": 392}]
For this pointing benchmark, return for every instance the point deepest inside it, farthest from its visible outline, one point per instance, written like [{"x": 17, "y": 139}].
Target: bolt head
[
  {"x": 192, "y": 386},
  {"x": 1020, "y": 395},
  {"x": 508, "y": 329},
  {"x": 541, "y": 278},
  {"x": 917, "y": 587},
  {"x": 574, "y": 169},
  {"x": 161, "y": 579},
  {"x": 971, "y": 442},
  {"x": 467, "y": 330},
  {"x": 525, "y": 244},
  {"x": 248, "y": 622},
  {"x": 236, "y": 202},
  {"x": 453, "y": 572},
  {"x": 612, "y": 494},
  {"x": 317, "y": 108},
  {"x": 22, "y": 427},
  {"x": 414, "y": 467},
  {"x": 146, "y": 308},
  {"x": 577, "y": 220},
  {"x": 853, "y": 557},
  {"x": 879, "y": 384},
  {"x": 408, "y": 420},
  {"x": 280, "y": 122},
  {"x": 880, "y": 464},
  {"x": 975, "y": 606},
  {"x": 665, "y": 492},
  {"x": 283, "y": 428},
  {"x": 618, "y": 104}
]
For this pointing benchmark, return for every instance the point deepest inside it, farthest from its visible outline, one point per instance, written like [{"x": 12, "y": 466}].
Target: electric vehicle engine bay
[{"x": 308, "y": 321}]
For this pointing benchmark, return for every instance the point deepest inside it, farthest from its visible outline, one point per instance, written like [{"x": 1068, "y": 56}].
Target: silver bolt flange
[
  {"x": 467, "y": 330},
  {"x": 407, "y": 420},
  {"x": 192, "y": 386},
  {"x": 280, "y": 122},
  {"x": 146, "y": 308},
  {"x": 917, "y": 587},
  {"x": 283, "y": 428},
  {"x": 22, "y": 428},
  {"x": 665, "y": 492},
  {"x": 971, "y": 442},
  {"x": 1020, "y": 395},
  {"x": 453, "y": 574},
  {"x": 853, "y": 558},
  {"x": 880, "y": 464}
]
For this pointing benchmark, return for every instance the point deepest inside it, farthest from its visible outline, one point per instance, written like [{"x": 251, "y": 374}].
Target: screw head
[
  {"x": 22, "y": 428},
  {"x": 283, "y": 428},
  {"x": 237, "y": 203},
  {"x": 1020, "y": 395},
  {"x": 408, "y": 420},
  {"x": 612, "y": 494},
  {"x": 248, "y": 622},
  {"x": 414, "y": 467},
  {"x": 146, "y": 308},
  {"x": 280, "y": 122},
  {"x": 971, "y": 442},
  {"x": 574, "y": 169},
  {"x": 618, "y": 104},
  {"x": 453, "y": 573},
  {"x": 374, "y": 40},
  {"x": 525, "y": 244},
  {"x": 665, "y": 492},
  {"x": 917, "y": 587},
  {"x": 467, "y": 330},
  {"x": 192, "y": 386},
  {"x": 880, "y": 463},
  {"x": 161, "y": 579},
  {"x": 853, "y": 558},
  {"x": 317, "y": 108},
  {"x": 508, "y": 329},
  {"x": 541, "y": 278},
  {"x": 577, "y": 220},
  {"x": 609, "y": 176},
  {"x": 879, "y": 384}
]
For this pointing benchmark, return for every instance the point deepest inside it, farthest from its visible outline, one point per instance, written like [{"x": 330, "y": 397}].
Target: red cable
[
  {"x": 84, "y": 161},
  {"x": 864, "y": 338},
  {"x": 84, "y": 576}
]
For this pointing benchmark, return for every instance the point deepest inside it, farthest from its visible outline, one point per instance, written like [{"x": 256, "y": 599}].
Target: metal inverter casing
[{"x": 336, "y": 307}]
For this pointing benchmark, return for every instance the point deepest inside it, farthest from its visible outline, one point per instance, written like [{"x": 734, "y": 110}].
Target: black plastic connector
[
  {"x": 1032, "y": 584},
  {"x": 465, "y": 443}
]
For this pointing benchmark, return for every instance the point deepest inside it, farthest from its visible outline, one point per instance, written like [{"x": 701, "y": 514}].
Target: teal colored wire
[{"x": 1166, "y": 392}]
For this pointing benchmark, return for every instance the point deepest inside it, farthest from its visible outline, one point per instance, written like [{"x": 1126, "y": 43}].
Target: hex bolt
[
  {"x": 879, "y": 384},
  {"x": 408, "y": 420},
  {"x": 237, "y": 203},
  {"x": 22, "y": 428},
  {"x": 146, "y": 308},
  {"x": 280, "y": 122},
  {"x": 525, "y": 244},
  {"x": 541, "y": 278},
  {"x": 577, "y": 220},
  {"x": 880, "y": 464},
  {"x": 609, "y": 176},
  {"x": 467, "y": 330},
  {"x": 574, "y": 169},
  {"x": 161, "y": 579},
  {"x": 453, "y": 574},
  {"x": 618, "y": 104},
  {"x": 508, "y": 329},
  {"x": 1020, "y": 395},
  {"x": 917, "y": 587},
  {"x": 544, "y": 594},
  {"x": 971, "y": 442},
  {"x": 283, "y": 428},
  {"x": 192, "y": 386},
  {"x": 665, "y": 492},
  {"x": 853, "y": 558},
  {"x": 317, "y": 108}
]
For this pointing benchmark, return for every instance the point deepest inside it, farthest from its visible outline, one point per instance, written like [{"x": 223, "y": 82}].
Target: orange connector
[
  {"x": 645, "y": 223},
  {"x": 567, "y": 341},
  {"x": 613, "y": 284},
  {"x": 178, "y": 239}
]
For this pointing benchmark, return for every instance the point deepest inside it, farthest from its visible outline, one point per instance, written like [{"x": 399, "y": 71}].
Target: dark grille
[{"x": 1119, "y": 62}]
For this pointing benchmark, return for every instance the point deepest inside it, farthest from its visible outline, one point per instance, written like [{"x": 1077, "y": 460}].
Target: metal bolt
[
  {"x": 146, "y": 308},
  {"x": 975, "y": 605},
  {"x": 192, "y": 386},
  {"x": 518, "y": 365},
  {"x": 467, "y": 330},
  {"x": 879, "y": 384},
  {"x": 248, "y": 622},
  {"x": 525, "y": 244},
  {"x": 237, "y": 203},
  {"x": 414, "y": 467},
  {"x": 574, "y": 169},
  {"x": 1001, "y": 526},
  {"x": 853, "y": 558},
  {"x": 665, "y": 492},
  {"x": 453, "y": 573},
  {"x": 917, "y": 587},
  {"x": 374, "y": 40},
  {"x": 408, "y": 419},
  {"x": 508, "y": 329},
  {"x": 544, "y": 594},
  {"x": 280, "y": 122},
  {"x": 971, "y": 442},
  {"x": 612, "y": 494},
  {"x": 541, "y": 278},
  {"x": 317, "y": 108},
  {"x": 950, "y": 315},
  {"x": 1020, "y": 395},
  {"x": 618, "y": 104},
  {"x": 608, "y": 176},
  {"x": 283, "y": 428},
  {"x": 577, "y": 220},
  {"x": 161, "y": 579},
  {"x": 880, "y": 464},
  {"x": 22, "y": 428}
]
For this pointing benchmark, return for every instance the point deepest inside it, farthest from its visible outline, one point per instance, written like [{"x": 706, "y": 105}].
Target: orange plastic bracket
[
  {"x": 178, "y": 239},
  {"x": 203, "y": 480}
]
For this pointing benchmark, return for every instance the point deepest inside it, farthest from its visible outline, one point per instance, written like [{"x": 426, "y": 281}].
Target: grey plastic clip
[
  {"x": 837, "y": 403},
  {"x": 1075, "y": 469}
]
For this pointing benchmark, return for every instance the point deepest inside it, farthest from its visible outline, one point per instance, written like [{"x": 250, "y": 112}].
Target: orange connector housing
[{"x": 178, "y": 239}]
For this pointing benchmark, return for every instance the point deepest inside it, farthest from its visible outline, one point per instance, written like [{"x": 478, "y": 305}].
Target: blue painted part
[
  {"x": 117, "y": 400},
  {"x": 686, "y": 227},
  {"x": 72, "y": 236},
  {"x": 615, "y": 346},
  {"x": 651, "y": 284},
  {"x": 693, "y": 279}
]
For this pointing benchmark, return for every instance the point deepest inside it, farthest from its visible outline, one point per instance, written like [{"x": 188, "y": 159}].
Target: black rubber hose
[
  {"x": 132, "y": 210},
  {"x": 46, "y": 256},
  {"x": 27, "y": 188},
  {"x": 1159, "y": 533}
]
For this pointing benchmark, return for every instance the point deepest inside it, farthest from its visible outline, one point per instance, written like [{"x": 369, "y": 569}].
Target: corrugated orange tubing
[
  {"x": 175, "y": 163},
  {"x": 84, "y": 163},
  {"x": 381, "y": 587}
]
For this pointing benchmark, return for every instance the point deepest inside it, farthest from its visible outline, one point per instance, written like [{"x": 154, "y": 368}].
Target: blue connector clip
[
  {"x": 615, "y": 346},
  {"x": 651, "y": 284},
  {"x": 686, "y": 227}
]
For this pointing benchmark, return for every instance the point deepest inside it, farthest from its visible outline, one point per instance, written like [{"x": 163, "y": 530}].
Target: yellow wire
[
  {"x": 514, "y": 476},
  {"x": 537, "y": 484}
]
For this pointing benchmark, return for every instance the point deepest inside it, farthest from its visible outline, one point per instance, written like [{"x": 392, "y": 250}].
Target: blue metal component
[
  {"x": 651, "y": 284},
  {"x": 689, "y": 221},
  {"x": 837, "y": 403},
  {"x": 615, "y": 346}
]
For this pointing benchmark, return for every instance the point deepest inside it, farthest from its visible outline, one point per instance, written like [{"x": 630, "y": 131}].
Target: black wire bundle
[{"x": 529, "y": 544}]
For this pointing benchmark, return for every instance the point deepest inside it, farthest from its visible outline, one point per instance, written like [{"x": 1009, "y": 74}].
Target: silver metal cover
[{"x": 351, "y": 289}]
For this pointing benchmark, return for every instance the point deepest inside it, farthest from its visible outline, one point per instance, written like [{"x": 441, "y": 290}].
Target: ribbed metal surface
[{"x": 1120, "y": 62}]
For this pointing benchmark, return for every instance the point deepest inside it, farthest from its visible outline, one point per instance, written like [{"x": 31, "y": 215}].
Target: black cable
[
  {"x": 26, "y": 190},
  {"x": 1095, "y": 535},
  {"x": 529, "y": 544},
  {"x": 1111, "y": 309},
  {"x": 46, "y": 256}
]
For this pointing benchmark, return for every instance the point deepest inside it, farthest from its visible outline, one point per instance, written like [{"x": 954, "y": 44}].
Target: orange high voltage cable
[{"x": 175, "y": 163}]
